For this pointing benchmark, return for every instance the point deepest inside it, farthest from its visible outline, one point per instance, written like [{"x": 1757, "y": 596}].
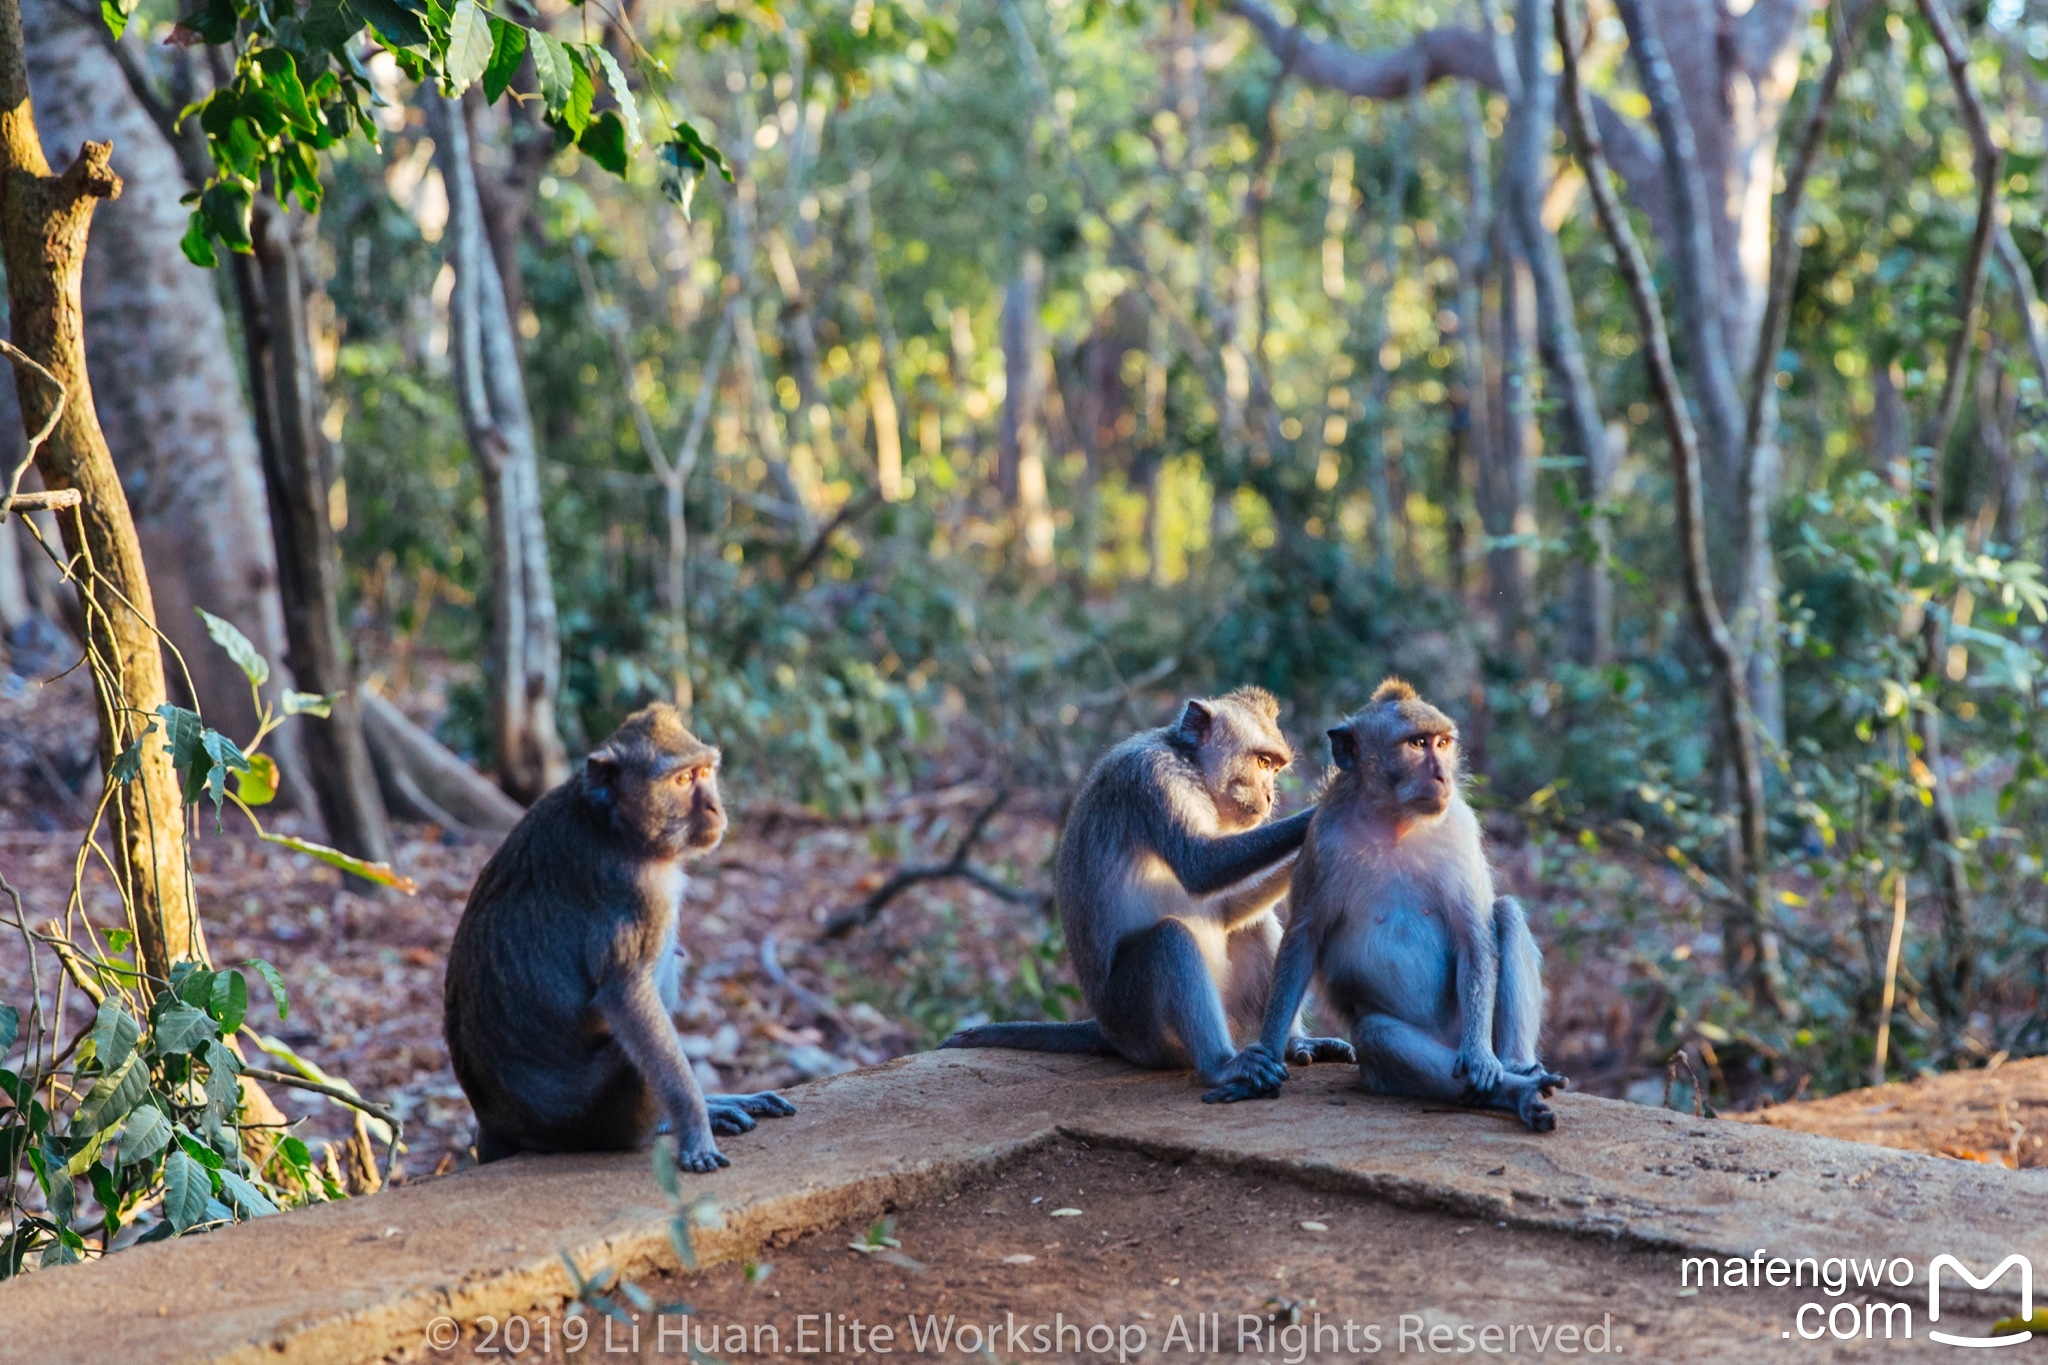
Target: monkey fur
[
  {"x": 566, "y": 968},
  {"x": 1166, "y": 879},
  {"x": 1392, "y": 910}
]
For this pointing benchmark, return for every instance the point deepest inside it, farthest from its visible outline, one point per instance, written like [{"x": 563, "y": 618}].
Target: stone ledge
[{"x": 353, "y": 1281}]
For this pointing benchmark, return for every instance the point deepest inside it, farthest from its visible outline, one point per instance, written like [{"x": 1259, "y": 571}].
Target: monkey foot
[
  {"x": 702, "y": 1161},
  {"x": 736, "y": 1113},
  {"x": 1541, "y": 1077},
  {"x": 1305, "y": 1051},
  {"x": 1540, "y": 1117}
]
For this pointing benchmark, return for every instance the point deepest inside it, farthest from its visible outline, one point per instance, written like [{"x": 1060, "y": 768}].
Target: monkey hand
[
  {"x": 1545, "y": 1080},
  {"x": 736, "y": 1113},
  {"x": 1480, "y": 1068},
  {"x": 1303, "y": 1051},
  {"x": 1252, "y": 1074}
]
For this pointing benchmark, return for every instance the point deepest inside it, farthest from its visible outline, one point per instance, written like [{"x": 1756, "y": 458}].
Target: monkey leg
[
  {"x": 1160, "y": 1006},
  {"x": 736, "y": 1113},
  {"x": 1397, "y": 1058},
  {"x": 491, "y": 1147},
  {"x": 1518, "y": 1000}
]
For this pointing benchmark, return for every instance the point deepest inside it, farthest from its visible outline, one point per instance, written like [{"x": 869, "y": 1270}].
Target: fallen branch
[
  {"x": 955, "y": 867},
  {"x": 424, "y": 779}
]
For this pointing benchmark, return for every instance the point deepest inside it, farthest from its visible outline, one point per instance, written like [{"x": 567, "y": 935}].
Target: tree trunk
[
  {"x": 172, "y": 406},
  {"x": 44, "y": 220},
  {"x": 1526, "y": 177},
  {"x": 525, "y": 653},
  {"x": 1507, "y": 495},
  {"x": 271, "y": 296},
  {"x": 1020, "y": 472}
]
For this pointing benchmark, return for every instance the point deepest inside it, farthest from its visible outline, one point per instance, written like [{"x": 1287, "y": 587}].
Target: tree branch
[
  {"x": 1750, "y": 922},
  {"x": 845, "y": 922},
  {"x": 1434, "y": 54}
]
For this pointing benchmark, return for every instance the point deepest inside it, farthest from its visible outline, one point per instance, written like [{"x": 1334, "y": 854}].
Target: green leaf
[
  {"x": 307, "y": 703},
  {"x": 244, "y": 1196},
  {"x": 381, "y": 873},
  {"x": 197, "y": 243},
  {"x": 229, "y": 1001},
  {"x": 469, "y": 46},
  {"x": 329, "y": 24},
  {"x": 182, "y": 1028},
  {"x": 225, "y": 756},
  {"x": 112, "y": 1097},
  {"x": 227, "y": 204},
  {"x": 113, "y": 1034},
  {"x": 115, "y": 13},
  {"x": 186, "y": 1191},
  {"x": 508, "y": 45},
  {"x": 604, "y": 141},
  {"x": 397, "y": 22},
  {"x": 224, "y": 633},
  {"x": 275, "y": 980},
  {"x": 258, "y": 786},
  {"x": 281, "y": 79},
  {"x": 556, "y": 70},
  {"x": 629, "y": 109},
  {"x": 185, "y": 742},
  {"x": 10, "y": 1026},
  {"x": 223, "y": 1091},
  {"x": 213, "y": 20},
  {"x": 128, "y": 763},
  {"x": 148, "y": 1132},
  {"x": 683, "y": 160}
]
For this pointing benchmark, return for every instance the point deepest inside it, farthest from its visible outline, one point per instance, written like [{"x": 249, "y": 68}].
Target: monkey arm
[
  {"x": 1206, "y": 865},
  {"x": 1291, "y": 972},
  {"x": 1253, "y": 898},
  {"x": 1478, "y": 968},
  {"x": 631, "y": 1005}
]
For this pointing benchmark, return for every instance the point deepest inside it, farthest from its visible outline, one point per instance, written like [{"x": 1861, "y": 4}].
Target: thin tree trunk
[
  {"x": 1507, "y": 504},
  {"x": 283, "y": 386},
  {"x": 1021, "y": 467},
  {"x": 1749, "y": 944},
  {"x": 44, "y": 221},
  {"x": 1525, "y": 178},
  {"x": 1952, "y": 982},
  {"x": 1474, "y": 421},
  {"x": 525, "y": 654}
]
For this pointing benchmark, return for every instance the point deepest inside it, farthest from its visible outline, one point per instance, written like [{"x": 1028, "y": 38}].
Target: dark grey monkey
[
  {"x": 1167, "y": 878},
  {"x": 1392, "y": 910},
  {"x": 565, "y": 967}
]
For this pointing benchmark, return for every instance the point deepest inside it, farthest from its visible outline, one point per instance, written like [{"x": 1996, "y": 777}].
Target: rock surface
[{"x": 358, "y": 1280}]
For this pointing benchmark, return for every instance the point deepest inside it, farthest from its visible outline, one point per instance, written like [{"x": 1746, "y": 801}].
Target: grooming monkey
[
  {"x": 1166, "y": 879},
  {"x": 565, "y": 967},
  {"x": 1393, "y": 911}
]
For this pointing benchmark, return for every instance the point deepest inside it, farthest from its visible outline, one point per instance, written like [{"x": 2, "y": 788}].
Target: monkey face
[
  {"x": 1241, "y": 751},
  {"x": 1401, "y": 753},
  {"x": 1424, "y": 769},
  {"x": 660, "y": 783}
]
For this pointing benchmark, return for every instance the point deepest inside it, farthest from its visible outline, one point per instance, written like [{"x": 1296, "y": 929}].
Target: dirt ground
[
  {"x": 1141, "y": 1259},
  {"x": 1998, "y": 1115}
]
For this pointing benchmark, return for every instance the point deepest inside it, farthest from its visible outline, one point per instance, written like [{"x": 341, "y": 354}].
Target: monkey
[
  {"x": 566, "y": 967},
  {"x": 1167, "y": 877},
  {"x": 1392, "y": 910}
]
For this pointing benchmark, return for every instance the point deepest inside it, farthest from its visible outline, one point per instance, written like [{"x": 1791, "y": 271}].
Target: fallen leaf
[
  {"x": 1066, "y": 1213},
  {"x": 1020, "y": 1258},
  {"x": 1310, "y": 1225}
]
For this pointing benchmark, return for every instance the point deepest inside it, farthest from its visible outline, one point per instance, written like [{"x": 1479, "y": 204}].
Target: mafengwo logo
[{"x": 2010, "y": 1338}]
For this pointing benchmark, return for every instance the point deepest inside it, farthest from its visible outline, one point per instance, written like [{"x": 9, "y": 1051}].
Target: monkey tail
[{"x": 1084, "y": 1037}]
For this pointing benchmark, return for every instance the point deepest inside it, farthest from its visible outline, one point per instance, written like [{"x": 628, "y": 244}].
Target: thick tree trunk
[
  {"x": 44, "y": 220},
  {"x": 525, "y": 653},
  {"x": 171, "y": 404},
  {"x": 1507, "y": 485}
]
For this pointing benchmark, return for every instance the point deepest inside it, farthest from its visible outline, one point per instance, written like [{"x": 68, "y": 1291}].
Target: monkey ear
[
  {"x": 600, "y": 772},
  {"x": 1344, "y": 748},
  {"x": 1195, "y": 722}
]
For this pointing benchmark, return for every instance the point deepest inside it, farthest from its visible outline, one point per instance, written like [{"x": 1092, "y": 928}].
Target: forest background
[{"x": 1677, "y": 429}]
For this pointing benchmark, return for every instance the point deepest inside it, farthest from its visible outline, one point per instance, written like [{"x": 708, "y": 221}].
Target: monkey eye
[{"x": 1419, "y": 742}]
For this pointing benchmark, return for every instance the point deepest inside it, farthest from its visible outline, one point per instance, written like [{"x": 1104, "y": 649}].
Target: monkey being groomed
[
  {"x": 1393, "y": 913},
  {"x": 1166, "y": 880},
  {"x": 566, "y": 968}
]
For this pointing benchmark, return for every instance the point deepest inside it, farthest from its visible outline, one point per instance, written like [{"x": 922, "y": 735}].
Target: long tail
[{"x": 1085, "y": 1036}]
